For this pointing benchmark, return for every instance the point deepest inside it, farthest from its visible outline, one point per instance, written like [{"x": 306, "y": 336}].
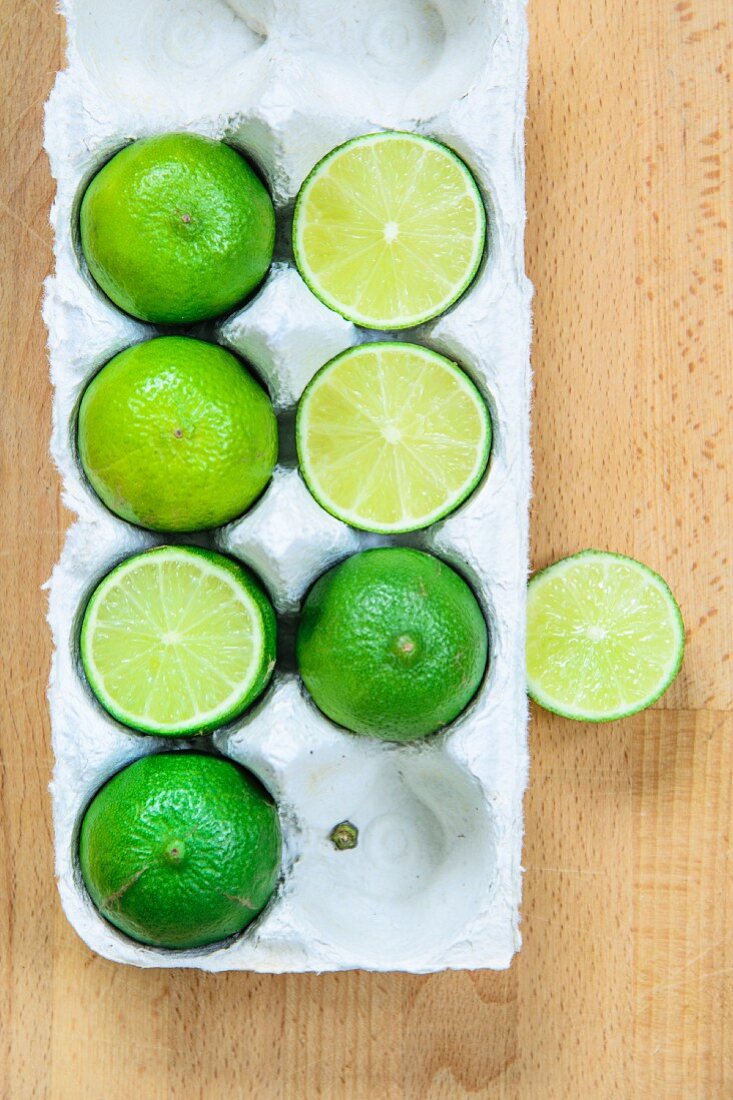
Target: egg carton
[{"x": 434, "y": 881}]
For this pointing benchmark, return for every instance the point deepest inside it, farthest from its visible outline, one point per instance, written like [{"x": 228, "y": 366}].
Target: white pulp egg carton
[{"x": 434, "y": 881}]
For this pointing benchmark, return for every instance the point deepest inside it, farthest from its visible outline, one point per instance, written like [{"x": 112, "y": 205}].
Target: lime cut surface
[
  {"x": 180, "y": 850},
  {"x": 389, "y": 229},
  {"x": 177, "y": 641},
  {"x": 605, "y": 637},
  {"x": 175, "y": 435},
  {"x": 391, "y": 437}
]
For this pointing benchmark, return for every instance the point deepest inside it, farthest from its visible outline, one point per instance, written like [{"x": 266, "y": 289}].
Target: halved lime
[
  {"x": 391, "y": 436},
  {"x": 178, "y": 640},
  {"x": 389, "y": 229},
  {"x": 605, "y": 637}
]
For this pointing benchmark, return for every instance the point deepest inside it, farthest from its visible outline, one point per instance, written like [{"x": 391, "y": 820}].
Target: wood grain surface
[{"x": 624, "y": 987}]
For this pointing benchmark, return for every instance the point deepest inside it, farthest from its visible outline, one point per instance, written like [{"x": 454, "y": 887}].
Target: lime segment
[
  {"x": 605, "y": 637},
  {"x": 177, "y": 640},
  {"x": 391, "y": 437},
  {"x": 389, "y": 229}
]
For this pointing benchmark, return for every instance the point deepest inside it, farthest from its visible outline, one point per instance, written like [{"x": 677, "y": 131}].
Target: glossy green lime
[
  {"x": 176, "y": 435},
  {"x": 392, "y": 643},
  {"x": 180, "y": 850},
  {"x": 177, "y": 228}
]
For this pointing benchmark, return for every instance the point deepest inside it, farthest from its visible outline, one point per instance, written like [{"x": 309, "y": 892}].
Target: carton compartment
[
  {"x": 404, "y": 57},
  {"x": 423, "y": 856},
  {"x": 163, "y": 54}
]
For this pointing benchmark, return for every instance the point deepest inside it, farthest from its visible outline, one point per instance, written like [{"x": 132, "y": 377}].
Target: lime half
[
  {"x": 605, "y": 637},
  {"x": 389, "y": 229},
  {"x": 177, "y": 641},
  {"x": 391, "y": 437}
]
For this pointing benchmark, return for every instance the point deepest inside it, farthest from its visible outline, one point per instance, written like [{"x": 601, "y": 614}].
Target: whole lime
[
  {"x": 392, "y": 643},
  {"x": 177, "y": 228},
  {"x": 175, "y": 435},
  {"x": 180, "y": 849}
]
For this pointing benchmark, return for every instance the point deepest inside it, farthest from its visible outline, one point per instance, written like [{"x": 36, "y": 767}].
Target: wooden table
[{"x": 624, "y": 987}]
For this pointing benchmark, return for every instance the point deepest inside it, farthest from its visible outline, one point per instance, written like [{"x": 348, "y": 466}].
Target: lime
[
  {"x": 180, "y": 849},
  {"x": 392, "y": 643},
  {"x": 391, "y": 437},
  {"x": 175, "y": 435},
  {"x": 177, "y": 228},
  {"x": 178, "y": 640},
  {"x": 389, "y": 229},
  {"x": 605, "y": 637}
]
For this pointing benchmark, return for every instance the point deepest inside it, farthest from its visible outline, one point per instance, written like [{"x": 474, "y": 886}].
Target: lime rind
[
  {"x": 355, "y": 316},
  {"x": 575, "y": 712},
  {"x": 473, "y": 479},
  {"x": 259, "y": 672}
]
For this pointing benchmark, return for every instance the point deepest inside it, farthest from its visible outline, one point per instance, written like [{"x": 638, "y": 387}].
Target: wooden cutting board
[{"x": 624, "y": 988}]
